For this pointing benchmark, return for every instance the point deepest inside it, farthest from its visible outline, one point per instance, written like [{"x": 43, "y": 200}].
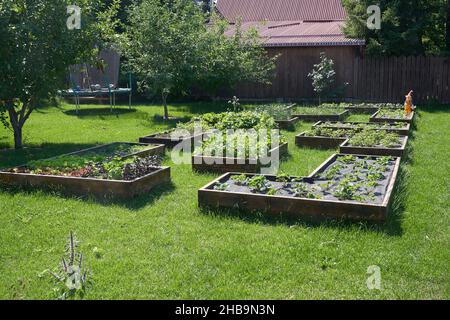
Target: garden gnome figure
[{"x": 408, "y": 103}]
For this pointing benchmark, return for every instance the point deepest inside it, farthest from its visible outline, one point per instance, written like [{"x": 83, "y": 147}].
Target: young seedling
[
  {"x": 221, "y": 186},
  {"x": 240, "y": 180}
]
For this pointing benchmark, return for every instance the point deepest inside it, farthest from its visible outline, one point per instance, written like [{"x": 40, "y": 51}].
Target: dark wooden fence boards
[
  {"x": 93, "y": 76},
  {"x": 384, "y": 79}
]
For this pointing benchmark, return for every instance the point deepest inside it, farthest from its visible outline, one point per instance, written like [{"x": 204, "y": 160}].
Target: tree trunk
[
  {"x": 166, "y": 110},
  {"x": 17, "y": 120},
  {"x": 17, "y": 137},
  {"x": 447, "y": 28}
]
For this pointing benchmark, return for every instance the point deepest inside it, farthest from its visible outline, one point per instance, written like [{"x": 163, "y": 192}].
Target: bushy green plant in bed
[
  {"x": 277, "y": 111},
  {"x": 240, "y": 144},
  {"x": 231, "y": 120},
  {"x": 330, "y": 133},
  {"x": 364, "y": 125},
  {"x": 109, "y": 162},
  {"x": 318, "y": 110},
  {"x": 391, "y": 114},
  {"x": 374, "y": 138}
]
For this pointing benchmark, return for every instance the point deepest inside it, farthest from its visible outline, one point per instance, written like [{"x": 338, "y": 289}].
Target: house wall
[{"x": 291, "y": 77}]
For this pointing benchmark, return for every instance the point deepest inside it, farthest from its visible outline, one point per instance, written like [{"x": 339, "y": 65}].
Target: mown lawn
[{"x": 161, "y": 246}]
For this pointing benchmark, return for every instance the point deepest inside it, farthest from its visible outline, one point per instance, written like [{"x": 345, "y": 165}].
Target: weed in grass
[{"x": 72, "y": 276}]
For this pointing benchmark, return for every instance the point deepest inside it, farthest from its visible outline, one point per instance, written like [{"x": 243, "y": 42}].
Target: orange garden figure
[{"x": 408, "y": 103}]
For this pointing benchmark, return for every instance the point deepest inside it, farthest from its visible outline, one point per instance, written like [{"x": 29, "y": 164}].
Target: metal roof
[
  {"x": 299, "y": 33},
  {"x": 281, "y": 10}
]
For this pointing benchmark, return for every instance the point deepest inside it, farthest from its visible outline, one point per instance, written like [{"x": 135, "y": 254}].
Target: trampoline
[{"x": 85, "y": 81}]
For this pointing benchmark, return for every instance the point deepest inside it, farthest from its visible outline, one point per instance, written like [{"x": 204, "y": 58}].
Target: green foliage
[
  {"x": 230, "y": 60},
  {"x": 240, "y": 180},
  {"x": 37, "y": 49},
  {"x": 323, "y": 75},
  {"x": 407, "y": 27},
  {"x": 170, "y": 31},
  {"x": 283, "y": 177},
  {"x": 240, "y": 144},
  {"x": 321, "y": 110},
  {"x": 391, "y": 114},
  {"x": 234, "y": 102},
  {"x": 259, "y": 184},
  {"x": 232, "y": 121},
  {"x": 67, "y": 163},
  {"x": 375, "y": 138},
  {"x": 33, "y": 227},
  {"x": 347, "y": 190},
  {"x": 360, "y": 126},
  {"x": 113, "y": 162},
  {"x": 276, "y": 111},
  {"x": 328, "y": 132},
  {"x": 221, "y": 186},
  {"x": 186, "y": 52},
  {"x": 302, "y": 190}
]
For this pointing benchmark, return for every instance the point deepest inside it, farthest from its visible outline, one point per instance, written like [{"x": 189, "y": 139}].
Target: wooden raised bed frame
[
  {"x": 374, "y": 151},
  {"x": 165, "y": 139},
  {"x": 287, "y": 124},
  {"x": 324, "y": 117},
  {"x": 302, "y": 140},
  {"x": 120, "y": 189},
  {"x": 311, "y": 209},
  {"x": 400, "y": 131},
  {"x": 220, "y": 165},
  {"x": 374, "y": 118}
]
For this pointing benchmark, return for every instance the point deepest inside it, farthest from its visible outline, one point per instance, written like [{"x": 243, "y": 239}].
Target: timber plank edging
[
  {"x": 322, "y": 117},
  {"x": 311, "y": 209},
  {"x": 374, "y": 118},
  {"x": 319, "y": 142},
  {"x": 374, "y": 151},
  {"x": 202, "y": 163},
  {"x": 165, "y": 139},
  {"x": 404, "y": 131}
]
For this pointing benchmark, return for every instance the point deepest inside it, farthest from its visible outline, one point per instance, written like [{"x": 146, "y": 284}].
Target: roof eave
[{"x": 316, "y": 44}]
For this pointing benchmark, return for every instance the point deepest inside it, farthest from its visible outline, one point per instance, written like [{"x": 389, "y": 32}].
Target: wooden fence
[{"x": 370, "y": 79}]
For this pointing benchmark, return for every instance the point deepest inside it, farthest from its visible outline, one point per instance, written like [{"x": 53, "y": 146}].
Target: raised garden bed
[
  {"x": 370, "y": 108},
  {"x": 166, "y": 139},
  {"x": 103, "y": 171},
  {"x": 400, "y": 128},
  {"x": 314, "y": 114},
  {"x": 287, "y": 124},
  {"x": 343, "y": 187},
  {"x": 385, "y": 115},
  {"x": 203, "y": 163},
  {"x": 399, "y": 151},
  {"x": 321, "y": 142},
  {"x": 282, "y": 114},
  {"x": 376, "y": 143}
]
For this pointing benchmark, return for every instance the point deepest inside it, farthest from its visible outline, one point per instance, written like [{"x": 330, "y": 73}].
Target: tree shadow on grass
[
  {"x": 391, "y": 228},
  {"x": 203, "y": 107},
  {"x": 10, "y": 157},
  {"x": 99, "y": 112},
  {"x": 171, "y": 123}
]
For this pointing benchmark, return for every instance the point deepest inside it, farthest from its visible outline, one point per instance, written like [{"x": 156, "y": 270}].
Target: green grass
[{"x": 161, "y": 245}]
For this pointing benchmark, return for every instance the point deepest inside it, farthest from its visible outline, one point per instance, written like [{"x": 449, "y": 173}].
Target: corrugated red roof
[
  {"x": 281, "y": 10},
  {"x": 290, "y": 22},
  {"x": 299, "y": 33}
]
